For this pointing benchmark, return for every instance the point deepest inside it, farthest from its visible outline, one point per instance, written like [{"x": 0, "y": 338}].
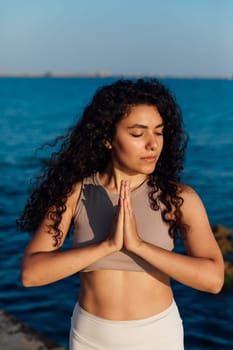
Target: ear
[{"x": 107, "y": 144}]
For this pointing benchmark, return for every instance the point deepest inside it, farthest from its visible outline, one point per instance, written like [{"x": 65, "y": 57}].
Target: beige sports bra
[{"x": 93, "y": 218}]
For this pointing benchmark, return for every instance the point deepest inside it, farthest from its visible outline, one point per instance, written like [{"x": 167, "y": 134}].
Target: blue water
[{"x": 35, "y": 110}]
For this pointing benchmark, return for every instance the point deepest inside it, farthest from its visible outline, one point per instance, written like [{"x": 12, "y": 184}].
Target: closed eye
[
  {"x": 157, "y": 133},
  {"x": 136, "y": 135}
]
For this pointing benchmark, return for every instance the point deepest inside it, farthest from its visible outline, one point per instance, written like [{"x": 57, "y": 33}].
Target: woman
[{"x": 117, "y": 180}]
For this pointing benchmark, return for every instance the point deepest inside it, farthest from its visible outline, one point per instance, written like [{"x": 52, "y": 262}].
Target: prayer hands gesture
[{"x": 124, "y": 232}]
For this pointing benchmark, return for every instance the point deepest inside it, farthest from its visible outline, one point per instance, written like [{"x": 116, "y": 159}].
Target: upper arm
[
  {"x": 199, "y": 239},
  {"x": 42, "y": 240}
]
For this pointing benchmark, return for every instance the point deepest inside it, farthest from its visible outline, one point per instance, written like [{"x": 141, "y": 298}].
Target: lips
[{"x": 150, "y": 159}]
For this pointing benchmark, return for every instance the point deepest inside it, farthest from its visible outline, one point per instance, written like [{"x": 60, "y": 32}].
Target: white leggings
[{"x": 163, "y": 331}]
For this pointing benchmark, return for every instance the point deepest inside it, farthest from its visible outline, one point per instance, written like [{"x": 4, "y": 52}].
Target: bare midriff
[{"x": 124, "y": 295}]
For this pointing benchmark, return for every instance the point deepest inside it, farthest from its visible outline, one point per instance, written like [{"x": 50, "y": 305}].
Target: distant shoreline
[
  {"x": 54, "y": 75},
  {"x": 107, "y": 75}
]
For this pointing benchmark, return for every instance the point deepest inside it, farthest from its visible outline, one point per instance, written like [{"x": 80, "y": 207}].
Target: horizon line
[{"x": 106, "y": 74}]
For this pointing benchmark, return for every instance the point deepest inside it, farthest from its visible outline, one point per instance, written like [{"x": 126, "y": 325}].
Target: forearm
[
  {"x": 200, "y": 273},
  {"x": 42, "y": 268}
]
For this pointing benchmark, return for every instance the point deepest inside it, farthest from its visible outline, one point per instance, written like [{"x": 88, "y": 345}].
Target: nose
[{"x": 152, "y": 143}]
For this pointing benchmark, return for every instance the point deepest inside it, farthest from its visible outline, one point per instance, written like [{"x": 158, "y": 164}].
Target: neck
[{"x": 111, "y": 179}]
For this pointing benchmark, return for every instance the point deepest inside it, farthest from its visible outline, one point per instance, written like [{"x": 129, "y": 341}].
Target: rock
[
  {"x": 224, "y": 237},
  {"x": 15, "y": 335},
  {"x": 228, "y": 267},
  {"x": 222, "y": 231},
  {"x": 228, "y": 273}
]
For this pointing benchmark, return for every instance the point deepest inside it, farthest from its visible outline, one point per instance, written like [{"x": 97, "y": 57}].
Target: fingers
[
  {"x": 121, "y": 200},
  {"x": 127, "y": 197},
  {"x": 129, "y": 219},
  {"x": 124, "y": 197},
  {"x": 131, "y": 237},
  {"x": 122, "y": 193},
  {"x": 116, "y": 235}
]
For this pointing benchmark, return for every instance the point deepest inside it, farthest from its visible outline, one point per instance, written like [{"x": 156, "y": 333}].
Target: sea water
[{"x": 33, "y": 111}]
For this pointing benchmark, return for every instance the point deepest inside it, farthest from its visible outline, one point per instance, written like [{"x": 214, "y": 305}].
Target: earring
[{"x": 107, "y": 144}]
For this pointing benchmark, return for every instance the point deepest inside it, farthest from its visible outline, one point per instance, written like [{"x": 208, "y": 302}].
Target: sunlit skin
[
  {"x": 124, "y": 295},
  {"x": 135, "y": 150},
  {"x": 136, "y": 146}
]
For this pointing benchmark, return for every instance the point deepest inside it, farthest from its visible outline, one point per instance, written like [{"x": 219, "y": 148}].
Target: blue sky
[{"x": 171, "y": 37}]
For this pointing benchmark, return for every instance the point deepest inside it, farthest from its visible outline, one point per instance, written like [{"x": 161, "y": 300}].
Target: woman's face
[{"x": 138, "y": 141}]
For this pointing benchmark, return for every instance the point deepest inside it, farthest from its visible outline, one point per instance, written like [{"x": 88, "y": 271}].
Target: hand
[
  {"x": 116, "y": 235},
  {"x": 131, "y": 239}
]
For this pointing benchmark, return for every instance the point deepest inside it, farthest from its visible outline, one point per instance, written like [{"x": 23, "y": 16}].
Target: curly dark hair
[{"x": 83, "y": 153}]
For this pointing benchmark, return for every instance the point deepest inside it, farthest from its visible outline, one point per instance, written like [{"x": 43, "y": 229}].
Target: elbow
[
  {"x": 216, "y": 287},
  {"x": 29, "y": 282},
  {"x": 212, "y": 281},
  {"x": 28, "y": 278},
  {"x": 216, "y": 278},
  {"x": 29, "y": 273},
  {"x": 217, "y": 283}
]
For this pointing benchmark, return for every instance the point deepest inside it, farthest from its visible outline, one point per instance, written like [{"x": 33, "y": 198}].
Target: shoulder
[
  {"x": 187, "y": 193},
  {"x": 192, "y": 207},
  {"x": 73, "y": 198}
]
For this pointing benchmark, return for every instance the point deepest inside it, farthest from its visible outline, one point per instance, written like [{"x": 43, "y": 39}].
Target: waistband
[{"x": 144, "y": 321}]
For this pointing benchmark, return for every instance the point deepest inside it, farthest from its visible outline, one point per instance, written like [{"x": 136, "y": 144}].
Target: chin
[{"x": 148, "y": 170}]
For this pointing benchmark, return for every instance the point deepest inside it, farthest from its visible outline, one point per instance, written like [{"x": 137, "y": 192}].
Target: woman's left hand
[{"x": 131, "y": 237}]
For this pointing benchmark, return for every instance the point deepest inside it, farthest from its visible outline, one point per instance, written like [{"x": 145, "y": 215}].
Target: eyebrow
[{"x": 141, "y": 126}]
